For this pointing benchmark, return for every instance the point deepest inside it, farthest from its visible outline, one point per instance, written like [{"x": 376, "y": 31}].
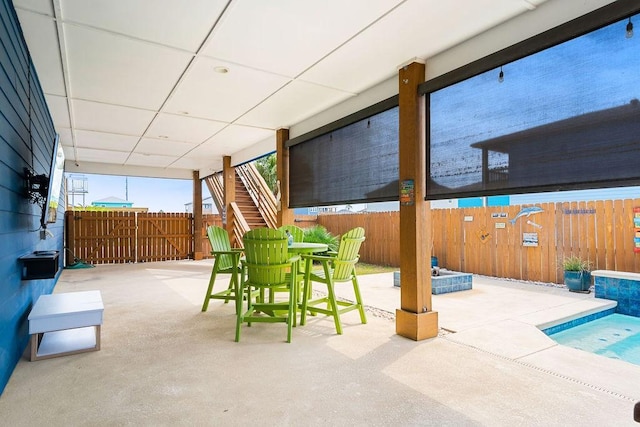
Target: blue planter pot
[{"x": 577, "y": 281}]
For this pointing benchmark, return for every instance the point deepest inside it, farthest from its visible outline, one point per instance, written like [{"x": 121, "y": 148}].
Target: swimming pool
[{"x": 616, "y": 336}]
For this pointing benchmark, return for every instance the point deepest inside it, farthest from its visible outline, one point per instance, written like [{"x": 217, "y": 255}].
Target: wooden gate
[
  {"x": 163, "y": 237},
  {"x": 121, "y": 237}
]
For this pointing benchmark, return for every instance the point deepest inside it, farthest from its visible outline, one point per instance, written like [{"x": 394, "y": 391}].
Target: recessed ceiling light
[{"x": 221, "y": 70}]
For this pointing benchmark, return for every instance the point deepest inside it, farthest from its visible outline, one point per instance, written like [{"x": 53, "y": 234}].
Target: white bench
[{"x": 66, "y": 323}]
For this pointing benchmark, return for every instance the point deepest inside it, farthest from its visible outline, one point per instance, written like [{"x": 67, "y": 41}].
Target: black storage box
[{"x": 40, "y": 265}]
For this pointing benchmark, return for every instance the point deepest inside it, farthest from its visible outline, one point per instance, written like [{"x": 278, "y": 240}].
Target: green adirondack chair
[
  {"x": 336, "y": 268},
  {"x": 267, "y": 266},
  {"x": 296, "y": 232},
  {"x": 227, "y": 261}
]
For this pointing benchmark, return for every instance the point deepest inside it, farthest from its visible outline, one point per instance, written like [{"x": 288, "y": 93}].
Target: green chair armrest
[
  {"x": 231, "y": 252},
  {"x": 318, "y": 257}
]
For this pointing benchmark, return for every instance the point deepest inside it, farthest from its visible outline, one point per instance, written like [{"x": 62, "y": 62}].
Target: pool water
[{"x": 616, "y": 336}]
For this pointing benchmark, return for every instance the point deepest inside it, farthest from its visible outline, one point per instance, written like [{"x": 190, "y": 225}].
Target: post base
[{"x": 417, "y": 326}]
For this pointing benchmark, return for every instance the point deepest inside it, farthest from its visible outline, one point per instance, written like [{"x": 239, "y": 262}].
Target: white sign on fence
[{"x": 529, "y": 239}]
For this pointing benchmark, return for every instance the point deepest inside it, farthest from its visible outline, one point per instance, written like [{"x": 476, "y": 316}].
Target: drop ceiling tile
[
  {"x": 59, "y": 110},
  {"x": 207, "y": 152},
  {"x": 204, "y": 166},
  {"x": 40, "y": 6},
  {"x": 69, "y": 153},
  {"x": 288, "y": 36},
  {"x": 106, "y": 141},
  {"x": 167, "y": 22},
  {"x": 224, "y": 97},
  {"x": 162, "y": 147},
  {"x": 234, "y": 138},
  {"x": 183, "y": 128},
  {"x": 415, "y": 29},
  {"x": 137, "y": 159},
  {"x": 116, "y": 70},
  {"x": 292, "y": 104},
  {"x": 110, "y": 118},
  {"x": 66, "y": 139},
  {"x": 42, "y": 38},
  {"x": 101, "y": 156}
]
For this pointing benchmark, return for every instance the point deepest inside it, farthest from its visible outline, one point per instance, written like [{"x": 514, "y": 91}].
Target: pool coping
[
  {"x": 594, "y": 308},
  {"x": 624, "y": 275},
  {"x": 577, "y": 321}
]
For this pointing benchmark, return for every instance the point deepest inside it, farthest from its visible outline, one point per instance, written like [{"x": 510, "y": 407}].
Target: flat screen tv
[{"x": 50, "y": 208}]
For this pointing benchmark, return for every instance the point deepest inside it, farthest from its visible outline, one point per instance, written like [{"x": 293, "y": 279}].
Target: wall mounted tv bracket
[{"x": 36, "y": 187}]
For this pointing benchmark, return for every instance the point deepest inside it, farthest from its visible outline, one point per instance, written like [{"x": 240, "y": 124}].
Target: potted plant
[{"x": 577, "y": 274}]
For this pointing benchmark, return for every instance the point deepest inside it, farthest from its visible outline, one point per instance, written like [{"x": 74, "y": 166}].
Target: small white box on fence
[{"x": 529, "y": 239}]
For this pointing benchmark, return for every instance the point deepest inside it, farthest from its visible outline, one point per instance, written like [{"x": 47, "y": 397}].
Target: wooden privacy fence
[
  {"x": 120, "y": 237},
  {"x": 486, "y": 241},
  {"x": 474, "y": 240},
  {"x": 382, "y": 234},
  {"x": 208, "y": 220}
]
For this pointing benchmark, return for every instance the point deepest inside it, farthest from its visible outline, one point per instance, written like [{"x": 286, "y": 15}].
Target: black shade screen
[
  {"x": 567, "y": 117},
  {"x": 352, "y": 164}
]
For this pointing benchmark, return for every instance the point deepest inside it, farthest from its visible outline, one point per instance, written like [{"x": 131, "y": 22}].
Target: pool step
[{"x": 574, "y": 314}]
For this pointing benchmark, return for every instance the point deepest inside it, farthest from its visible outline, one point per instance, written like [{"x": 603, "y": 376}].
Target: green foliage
[
  {"x": 319, "y": 234},
  {"x": 574, "y": 263},
  {"x": 267, "y": 169}
]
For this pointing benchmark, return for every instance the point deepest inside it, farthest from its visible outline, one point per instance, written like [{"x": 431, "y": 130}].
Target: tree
[{"x": 267, "y": 168}]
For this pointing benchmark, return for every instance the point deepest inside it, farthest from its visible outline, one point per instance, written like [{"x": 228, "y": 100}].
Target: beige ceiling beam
[{"x": 71, "y": 166}]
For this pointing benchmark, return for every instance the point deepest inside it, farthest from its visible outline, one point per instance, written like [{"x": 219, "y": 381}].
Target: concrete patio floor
[{"x": 164, "y": 362}]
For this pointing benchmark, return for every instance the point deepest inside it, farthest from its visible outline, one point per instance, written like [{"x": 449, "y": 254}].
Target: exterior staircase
[
  {"x": 254, "y": 206},
  {"x": 249, "y": 210}
]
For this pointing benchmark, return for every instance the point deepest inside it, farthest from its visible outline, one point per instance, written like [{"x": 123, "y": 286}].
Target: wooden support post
[
  {"x": 415, "y": 319},
  {"x": 197, "y": 216},
  {"x": 229, "y": 183},
  {"x": 284, "y": 214}
]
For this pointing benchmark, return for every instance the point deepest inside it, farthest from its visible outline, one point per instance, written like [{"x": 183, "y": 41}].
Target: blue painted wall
[{"x": 26, "y": 141}]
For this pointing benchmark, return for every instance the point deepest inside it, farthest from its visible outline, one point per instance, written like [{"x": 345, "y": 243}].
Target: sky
[{"x": 156, "y": 194}]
